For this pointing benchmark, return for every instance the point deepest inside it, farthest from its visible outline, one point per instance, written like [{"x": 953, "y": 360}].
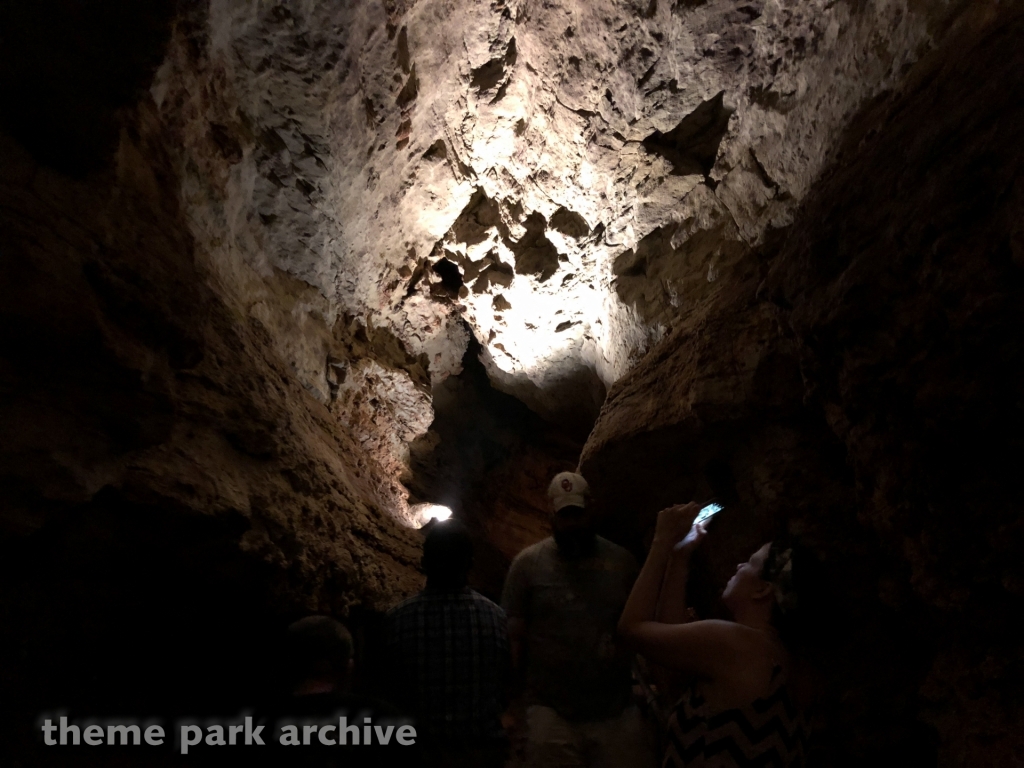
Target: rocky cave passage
[{"x": 273, "y": 273}]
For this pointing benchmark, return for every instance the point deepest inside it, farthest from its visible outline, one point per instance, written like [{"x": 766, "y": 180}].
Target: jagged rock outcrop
[
  {"x": 866, "y": 395},
  {"x": 544, "y": 151}
]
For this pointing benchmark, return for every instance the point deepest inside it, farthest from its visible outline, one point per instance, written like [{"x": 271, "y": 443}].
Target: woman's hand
[
  {"x": 692, "y": 539},
  {"x": 675, "y": 528}
]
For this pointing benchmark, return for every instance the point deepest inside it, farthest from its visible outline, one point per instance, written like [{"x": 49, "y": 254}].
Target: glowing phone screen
[{"x": 706, "y": 513}]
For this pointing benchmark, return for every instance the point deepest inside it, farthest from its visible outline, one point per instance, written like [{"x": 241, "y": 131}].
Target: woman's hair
[{"x": 797, "y": 580}]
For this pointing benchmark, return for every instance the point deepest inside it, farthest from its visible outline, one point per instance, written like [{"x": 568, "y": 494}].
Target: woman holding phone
[{"x": 741, "y": 708}]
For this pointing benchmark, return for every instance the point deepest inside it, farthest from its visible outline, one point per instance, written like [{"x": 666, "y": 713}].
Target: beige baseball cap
[{"x": 568, "y": 489}]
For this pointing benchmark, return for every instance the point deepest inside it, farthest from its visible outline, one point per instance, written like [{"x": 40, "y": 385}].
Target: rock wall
[
  {"x": 863, "y": 390},
  {"x": 557, "y": 178},
  {"x": 246, "y": 247},
  {"x": 172, "y": 493}
]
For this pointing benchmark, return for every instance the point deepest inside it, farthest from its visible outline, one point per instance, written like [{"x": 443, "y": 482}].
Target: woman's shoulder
[
  {"x": 744, "y": 641},
  {"x": 759, "y": 664},
  {"x": 762, "y": 648}
]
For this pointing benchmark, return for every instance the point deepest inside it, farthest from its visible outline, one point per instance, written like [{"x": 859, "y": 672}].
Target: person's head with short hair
[
  {"x": 318, "y": 655},
  {"x": 572, "y": 522},
  {"x": 447, "y": 555}
]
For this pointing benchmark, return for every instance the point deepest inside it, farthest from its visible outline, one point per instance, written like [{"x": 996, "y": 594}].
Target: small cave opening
[
  {"x": 269, "y": 317},
  {"x": 451, "y": 276}
]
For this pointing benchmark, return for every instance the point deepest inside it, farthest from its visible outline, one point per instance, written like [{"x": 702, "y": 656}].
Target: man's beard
[{"x": 576, "y": 544}]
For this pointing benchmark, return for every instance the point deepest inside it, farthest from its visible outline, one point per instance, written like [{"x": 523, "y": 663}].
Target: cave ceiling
[{"x": 559, "y": 179}]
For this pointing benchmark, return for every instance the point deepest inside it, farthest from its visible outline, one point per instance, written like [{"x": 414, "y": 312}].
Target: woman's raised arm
[{"x": 700, "y": 647}]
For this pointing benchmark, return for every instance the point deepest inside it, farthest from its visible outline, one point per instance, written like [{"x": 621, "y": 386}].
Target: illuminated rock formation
[{"x": 272, "y": 275}]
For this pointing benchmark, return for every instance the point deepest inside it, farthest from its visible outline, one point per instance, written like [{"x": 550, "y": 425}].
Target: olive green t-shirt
[{"x": 570, "y": 609}]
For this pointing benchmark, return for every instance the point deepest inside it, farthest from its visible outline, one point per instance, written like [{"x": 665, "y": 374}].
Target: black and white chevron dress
[{"x": 769, "y": 733}]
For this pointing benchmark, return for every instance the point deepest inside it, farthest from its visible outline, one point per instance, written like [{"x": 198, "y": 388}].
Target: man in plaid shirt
[{"x": 449, "y": 656}]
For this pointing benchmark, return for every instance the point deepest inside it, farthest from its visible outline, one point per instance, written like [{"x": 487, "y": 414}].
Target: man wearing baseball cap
[{"x": 563, "y": 597}]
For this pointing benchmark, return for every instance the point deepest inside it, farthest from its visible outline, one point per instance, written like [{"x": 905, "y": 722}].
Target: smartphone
[{"x": 706, "y": 512}]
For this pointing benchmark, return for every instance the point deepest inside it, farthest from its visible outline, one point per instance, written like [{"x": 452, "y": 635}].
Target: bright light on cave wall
[
  {"x": 424, "y": 513},
  {"x": 528, "y": 332}
]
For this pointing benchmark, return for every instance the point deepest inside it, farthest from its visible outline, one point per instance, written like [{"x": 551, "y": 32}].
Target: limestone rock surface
[
  {"x": 172, "y": 494},
  {"x": 863, "y": 392},
  {"x": 561, "y": 180}
]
